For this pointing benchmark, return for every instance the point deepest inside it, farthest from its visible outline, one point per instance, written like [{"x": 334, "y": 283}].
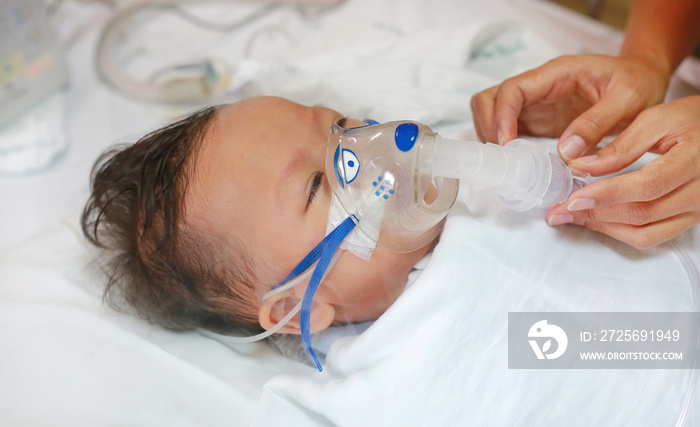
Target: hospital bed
[{"x": 439, "y": 354}]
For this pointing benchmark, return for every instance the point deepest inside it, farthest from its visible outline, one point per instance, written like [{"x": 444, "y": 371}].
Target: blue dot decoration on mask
[{"x": 384, "y": 190}]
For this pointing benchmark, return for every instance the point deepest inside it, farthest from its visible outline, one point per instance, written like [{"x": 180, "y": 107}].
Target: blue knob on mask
[{"x": 405, "y": 136}]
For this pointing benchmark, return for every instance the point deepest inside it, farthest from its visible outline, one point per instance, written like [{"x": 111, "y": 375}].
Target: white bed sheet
[
  {"x": 66, "y": 360},
  {"x": 439, "y": 355}
]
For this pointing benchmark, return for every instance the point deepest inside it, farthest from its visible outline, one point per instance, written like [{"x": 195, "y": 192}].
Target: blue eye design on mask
[{"x": 346, "y": 165}]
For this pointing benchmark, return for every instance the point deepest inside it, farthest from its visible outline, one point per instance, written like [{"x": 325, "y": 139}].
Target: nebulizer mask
[{"x": 394, "y": 183}]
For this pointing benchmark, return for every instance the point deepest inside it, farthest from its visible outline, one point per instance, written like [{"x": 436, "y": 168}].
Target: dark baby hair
[{"x": 161, "y": 267}]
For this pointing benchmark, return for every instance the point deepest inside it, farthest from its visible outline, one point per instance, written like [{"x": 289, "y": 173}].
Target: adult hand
[
  {"x": 657, "y": 202},
  {"x": 578, "y": 98}
]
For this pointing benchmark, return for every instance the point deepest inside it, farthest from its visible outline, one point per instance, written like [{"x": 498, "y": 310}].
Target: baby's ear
[{"x": 277, "y": 306}]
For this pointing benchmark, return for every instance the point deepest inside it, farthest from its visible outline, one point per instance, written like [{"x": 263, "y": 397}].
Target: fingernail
[
  {"x": 581, "y": 204},
  {"x": 500, "y": 138},
  {"x": 573, "y": 147},
  {"x": 560, "y": 219},
  {"x": 576, "y": 164},
  {"x": 585, "y": 159}
]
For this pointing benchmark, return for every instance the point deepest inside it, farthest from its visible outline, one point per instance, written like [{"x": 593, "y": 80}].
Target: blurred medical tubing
[{"x": 32, "y": 72}]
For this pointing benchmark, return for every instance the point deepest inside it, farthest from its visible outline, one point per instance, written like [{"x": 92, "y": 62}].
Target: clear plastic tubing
[{"x": 524, "y": 174}]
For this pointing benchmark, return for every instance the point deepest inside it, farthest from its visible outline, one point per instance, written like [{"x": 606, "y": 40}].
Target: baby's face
[{"x": 260, "y": 179}]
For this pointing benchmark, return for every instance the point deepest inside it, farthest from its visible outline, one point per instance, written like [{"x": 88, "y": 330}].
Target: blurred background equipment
[
  {"x": 32, "y": 70},
  {"x": 185, "y": 52},
  {"x": 31, "y": 62}
]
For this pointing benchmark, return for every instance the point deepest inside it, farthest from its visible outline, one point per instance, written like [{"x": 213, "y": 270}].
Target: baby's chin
[{"x": 372, "y": 309}]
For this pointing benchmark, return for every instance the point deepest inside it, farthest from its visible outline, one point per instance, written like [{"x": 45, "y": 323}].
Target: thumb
[
  {"x": 589, "y": 128},
  {"x": 624, "y": 150}
]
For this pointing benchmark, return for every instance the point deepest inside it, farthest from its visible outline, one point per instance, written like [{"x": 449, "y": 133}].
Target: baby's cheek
[{"x": 388, "y": 278}]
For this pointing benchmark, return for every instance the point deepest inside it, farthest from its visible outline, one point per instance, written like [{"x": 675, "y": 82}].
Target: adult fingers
[
  {"x": 508, "y": 105},
  {"x": 584, "y": 132},
  {"x": 482, "y": 105},
  {"x": 518, "y": 92},
  {"x": 646, "y": 236},
  {"x": 627, "y": 148},
  {"x": 556, "y": 79},
  {"x": 660, "y": 129},
  {"x": 682, "y": 200},
  {"x": 654, "y": 180}
]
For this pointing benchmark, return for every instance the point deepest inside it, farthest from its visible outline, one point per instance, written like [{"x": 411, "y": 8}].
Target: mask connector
[{"x": 524, "y": 174}]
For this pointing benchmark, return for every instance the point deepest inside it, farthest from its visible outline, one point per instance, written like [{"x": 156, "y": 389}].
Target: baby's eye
[
  {"x": 350, "y": 123},
  {"x": 315, "y": 185}
]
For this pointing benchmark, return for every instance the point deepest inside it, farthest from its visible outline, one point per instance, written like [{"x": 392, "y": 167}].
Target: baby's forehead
[
  {"x": 272, "y": 110},
  {"x": 241, "y": 157}
]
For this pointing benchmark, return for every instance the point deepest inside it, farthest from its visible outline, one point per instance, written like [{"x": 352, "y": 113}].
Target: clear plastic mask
[{"x": 374, "y": 171}]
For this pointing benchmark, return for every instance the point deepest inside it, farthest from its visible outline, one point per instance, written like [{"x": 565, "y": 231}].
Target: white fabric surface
[
  {"x": 34, "y": 140},
  {"x": 65, "y": 360},
  {"x": 436, "y": 358},
  {"x": 427, "y": 75}
]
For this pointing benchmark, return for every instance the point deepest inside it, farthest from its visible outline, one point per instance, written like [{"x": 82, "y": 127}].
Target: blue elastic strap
[
  {"x": 332, "y": 241},
  {"x": 307, "y": 262}
]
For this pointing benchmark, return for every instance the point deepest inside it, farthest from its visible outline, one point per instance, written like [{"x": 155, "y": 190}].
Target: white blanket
[{"x": 438, "y": 356}]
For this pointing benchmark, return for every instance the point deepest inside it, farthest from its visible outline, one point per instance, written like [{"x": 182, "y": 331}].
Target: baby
[{"x": 204, "y": 216}]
